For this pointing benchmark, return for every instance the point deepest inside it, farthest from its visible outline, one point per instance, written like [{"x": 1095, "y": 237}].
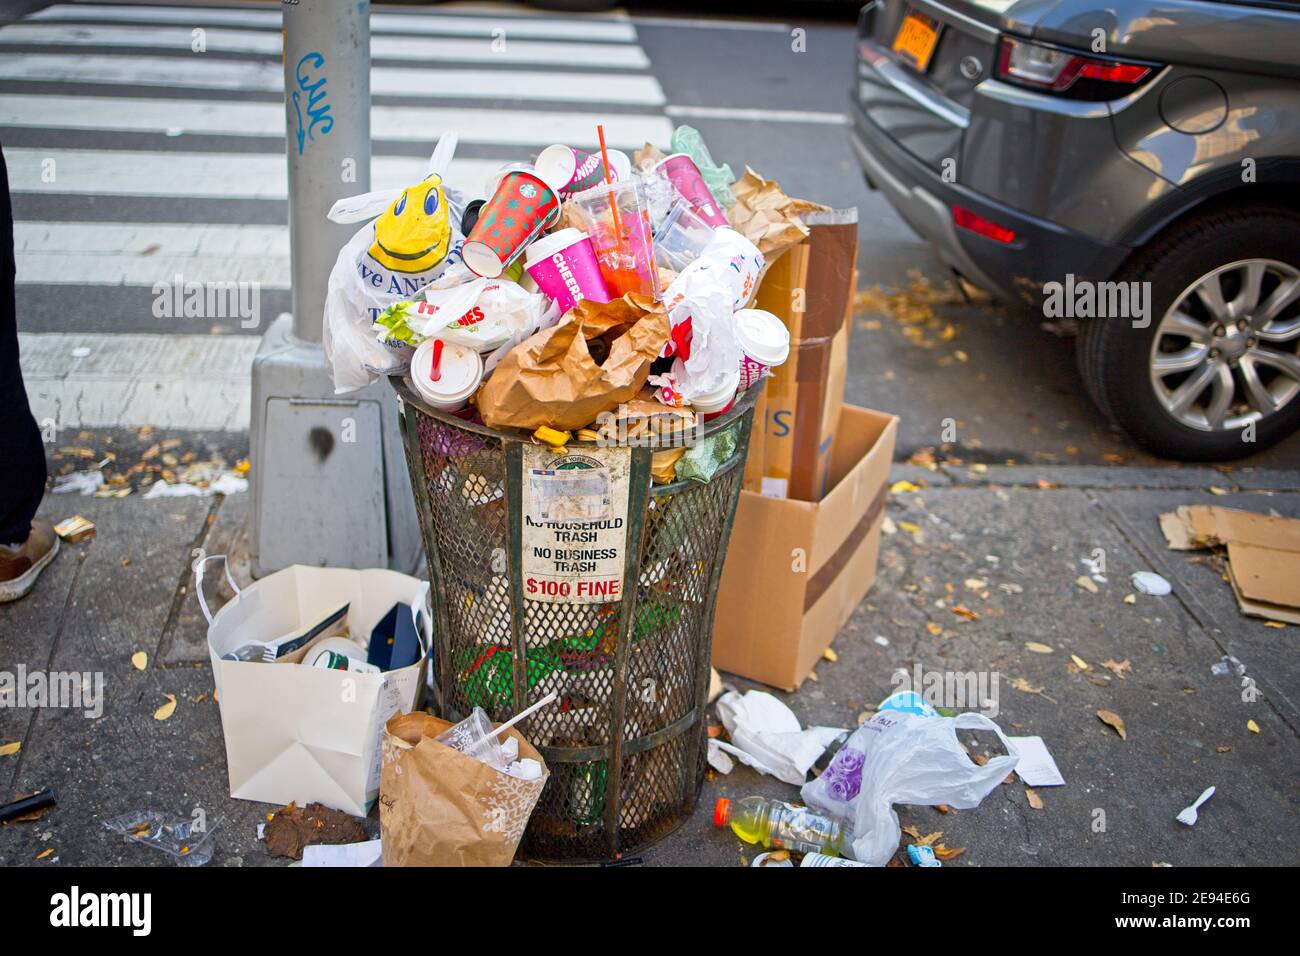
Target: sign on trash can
[{"x": 301, "y": 733}]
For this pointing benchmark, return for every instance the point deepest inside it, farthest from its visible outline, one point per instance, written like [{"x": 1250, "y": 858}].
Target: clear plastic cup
[
  {"x": 682, "y": 237},
  {"x": 470, "y": 737},
  {"x": 617, "y": 220}
]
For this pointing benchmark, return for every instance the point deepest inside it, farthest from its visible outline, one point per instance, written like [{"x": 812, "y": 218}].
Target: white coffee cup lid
[
  {"x": 762, "y": 336},
  {"x": 550, "y": 244},
  {"x": 462, "y": 371},
  {"x": 720, "y": 397}
]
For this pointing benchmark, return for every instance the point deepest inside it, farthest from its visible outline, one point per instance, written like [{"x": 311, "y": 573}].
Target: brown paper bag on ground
[
  {"x": 766, "y": 216},
  {"x": 438, "y": 807},
  {"x": 552, "y": 379}
]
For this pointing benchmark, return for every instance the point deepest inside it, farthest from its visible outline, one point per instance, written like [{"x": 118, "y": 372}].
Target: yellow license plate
[{"x": 916, "y": 40}]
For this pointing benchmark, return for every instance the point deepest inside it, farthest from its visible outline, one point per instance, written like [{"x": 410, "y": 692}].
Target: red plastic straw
[
  {"x": 435, "y": 370},
  {"x": 613, "y": 206}
]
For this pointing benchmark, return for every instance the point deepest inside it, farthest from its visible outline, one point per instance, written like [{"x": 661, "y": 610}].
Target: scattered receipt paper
[{"x": 1036, "y": 767}]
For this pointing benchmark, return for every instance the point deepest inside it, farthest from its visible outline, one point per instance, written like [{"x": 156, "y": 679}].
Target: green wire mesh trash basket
[{"x": 571, "y": 571}]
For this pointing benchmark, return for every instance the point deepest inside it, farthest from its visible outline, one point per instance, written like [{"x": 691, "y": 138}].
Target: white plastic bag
[
  {"x": 702, "y": 299},
  {"x": 918, "y": 760},
  {"x": 360, "y": 287},
  {"x": 766, "y": 735}
]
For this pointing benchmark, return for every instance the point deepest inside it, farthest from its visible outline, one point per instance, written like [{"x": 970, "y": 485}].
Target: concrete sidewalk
[{"x": 128, "y": 590}]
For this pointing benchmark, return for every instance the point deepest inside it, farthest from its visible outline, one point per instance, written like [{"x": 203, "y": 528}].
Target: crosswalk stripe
[
  {"x": 110, "y": 172},
  {"x": 425, "y": 49},
  {"x": 540, "y": 27},
  {"x": 196, "y": 72},
  {"x": 85, "y": 380},
  {"x": 397, "y": 123},
  {"x": 143, "y": 254}
]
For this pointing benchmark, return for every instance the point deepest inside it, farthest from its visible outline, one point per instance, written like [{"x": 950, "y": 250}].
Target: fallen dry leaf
[
  {"x": 1087, "y": 583},
  {"x": 830, "y": 655},
  {"x": 947, "y": 853},
  {"x": 1079, "y": 662},
  {"x": 1118, "y": 668},
  {"x": 8, "y": 750},
  {"x": 965, "y": 612},
  {"x": 167, "y": 709},
  {"x": 903, "y": 486},
  {"x": 44, "y": 853},
  {"x": 1038, "y": 648},
  {"x": 139, "y": 660},
  {"x": 1225, "y": 749},
  {"x": 1112, "y": 719},
  {"x": 909, "y": 527},
  {"x": 812, "y": 676},
  {"x": 1216, "y": 490},
  {"x": 1274, "y": 624},
  {"x": 1034, "y": 799},
  {"x": 1130, "y": 599},
  {"x": 1252, "y": 726},
  {"x": 1045, "y": 485},
  {"x": 933, "y": 628}
]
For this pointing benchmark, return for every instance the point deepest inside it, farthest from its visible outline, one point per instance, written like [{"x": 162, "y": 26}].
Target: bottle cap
[{"x": 721, "y": 812}]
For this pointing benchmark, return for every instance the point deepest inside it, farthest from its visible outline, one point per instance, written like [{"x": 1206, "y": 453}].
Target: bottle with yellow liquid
[{"x": 781, "y": 826}]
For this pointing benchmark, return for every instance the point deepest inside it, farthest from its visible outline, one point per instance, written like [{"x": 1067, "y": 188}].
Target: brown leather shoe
[{"x": 22, "y": 564}]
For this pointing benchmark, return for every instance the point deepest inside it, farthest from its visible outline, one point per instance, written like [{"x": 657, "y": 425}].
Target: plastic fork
[
  {"x": 1188, "y": 816},
  {"x": 267, "y": 652}
]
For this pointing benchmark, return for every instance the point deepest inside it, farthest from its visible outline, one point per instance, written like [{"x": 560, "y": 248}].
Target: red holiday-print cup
[
  {"x": 681, "y": 171},
  {"x": 521, "y": 207},
  {"x": 564, "y": 266}
]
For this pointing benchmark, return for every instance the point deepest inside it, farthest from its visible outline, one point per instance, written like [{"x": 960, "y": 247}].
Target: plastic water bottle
[{"x": 774, "y": 823}]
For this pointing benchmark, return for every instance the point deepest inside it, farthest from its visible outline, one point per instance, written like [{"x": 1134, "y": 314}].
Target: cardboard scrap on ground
[{"x": 1263, "y": 554}]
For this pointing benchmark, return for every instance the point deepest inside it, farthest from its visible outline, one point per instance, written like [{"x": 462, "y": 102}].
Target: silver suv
[{"x": 1133, "y": 164}]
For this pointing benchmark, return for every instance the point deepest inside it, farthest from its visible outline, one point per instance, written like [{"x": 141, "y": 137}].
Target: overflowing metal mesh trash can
[{"x": 629, "y": 659}]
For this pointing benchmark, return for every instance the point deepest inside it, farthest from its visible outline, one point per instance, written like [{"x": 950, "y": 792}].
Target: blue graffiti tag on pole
[{"x": 312, "y": 84}]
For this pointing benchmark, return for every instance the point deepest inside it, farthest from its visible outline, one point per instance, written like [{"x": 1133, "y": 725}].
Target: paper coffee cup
[
  {"x": 720, "y": 400},
  {"x": 570, "y": 171},
  {"x": 764, "y": 341},
  {"x": 461, "y": 373},
  {"x": 564, "y": 266},
  {"x": 681, "y": 171},
  {"x": 521, "y": 207}
]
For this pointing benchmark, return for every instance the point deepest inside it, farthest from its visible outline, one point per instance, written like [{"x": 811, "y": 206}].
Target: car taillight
[
  {"x": 966, "y": 219},
  {"x": 1063, "y": 71}
]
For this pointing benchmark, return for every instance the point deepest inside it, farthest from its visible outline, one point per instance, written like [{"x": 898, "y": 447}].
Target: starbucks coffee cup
[
  {"x": 459, "y": 375},
  {"x": 714, "y": 403},
  {"x": 764, "y": 341}
]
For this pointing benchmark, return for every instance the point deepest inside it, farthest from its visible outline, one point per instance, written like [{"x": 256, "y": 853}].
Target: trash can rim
[{"x": 407, "y": 394}]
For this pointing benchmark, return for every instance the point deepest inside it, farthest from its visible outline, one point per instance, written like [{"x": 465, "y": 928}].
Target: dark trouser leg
[{"x": 22, "y": 455}]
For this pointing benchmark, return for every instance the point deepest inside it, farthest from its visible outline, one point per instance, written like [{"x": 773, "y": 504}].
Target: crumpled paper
[
  {"x": 766, "y": 735},
  {"x": 766, "y": 216},
  {"x": 552, "y": 378}
]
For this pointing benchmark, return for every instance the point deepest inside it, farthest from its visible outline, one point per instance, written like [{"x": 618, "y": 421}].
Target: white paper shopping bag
[{"x": 296, "y": 733}]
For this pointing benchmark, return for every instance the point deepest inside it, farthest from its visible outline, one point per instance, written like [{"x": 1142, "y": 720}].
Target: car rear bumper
[{"x": 1041, "y": 251}]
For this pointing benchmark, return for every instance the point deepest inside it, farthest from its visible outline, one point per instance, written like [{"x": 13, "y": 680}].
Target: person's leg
[{"x": 25, "y": 548}]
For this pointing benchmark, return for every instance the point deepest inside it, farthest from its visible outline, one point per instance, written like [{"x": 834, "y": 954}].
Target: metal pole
[{"x": 327, "y": 113}]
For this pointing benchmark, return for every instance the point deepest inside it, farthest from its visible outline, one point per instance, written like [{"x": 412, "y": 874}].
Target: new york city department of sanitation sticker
[{"x": 575, "y": 524}]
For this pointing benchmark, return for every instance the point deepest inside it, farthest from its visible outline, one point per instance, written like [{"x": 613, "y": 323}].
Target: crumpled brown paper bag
[
  {"x": 766, "y": 216},
  {"x": 438, "y": 807},
  {"x": 552, "y": 379}
]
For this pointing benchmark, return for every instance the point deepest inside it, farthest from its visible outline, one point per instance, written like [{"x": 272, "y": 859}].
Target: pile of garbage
[
  {"x": 905, "y": 753},
  {"x": 585, "y": 284}
]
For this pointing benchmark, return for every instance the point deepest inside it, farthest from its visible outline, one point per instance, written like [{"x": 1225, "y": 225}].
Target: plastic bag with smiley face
[{"x": 414, "y": 233}]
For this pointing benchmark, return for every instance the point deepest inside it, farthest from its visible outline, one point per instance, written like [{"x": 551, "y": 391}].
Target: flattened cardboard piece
[{"x": 1263, "y": 554}]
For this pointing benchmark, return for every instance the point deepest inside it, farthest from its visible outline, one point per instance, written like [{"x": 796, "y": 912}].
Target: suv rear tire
[{"x": 1241, "y": 365}]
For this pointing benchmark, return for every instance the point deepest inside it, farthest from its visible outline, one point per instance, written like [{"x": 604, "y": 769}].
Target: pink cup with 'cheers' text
[{"x": 564, "y": 266}]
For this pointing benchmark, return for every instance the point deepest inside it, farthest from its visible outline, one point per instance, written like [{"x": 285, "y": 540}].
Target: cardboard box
[
  {"x": 811, "y": 288},
  {"x": 796, "y": 570}
]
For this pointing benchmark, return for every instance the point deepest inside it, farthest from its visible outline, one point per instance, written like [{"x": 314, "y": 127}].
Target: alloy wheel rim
[{"x": 1225, "y": 353}]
